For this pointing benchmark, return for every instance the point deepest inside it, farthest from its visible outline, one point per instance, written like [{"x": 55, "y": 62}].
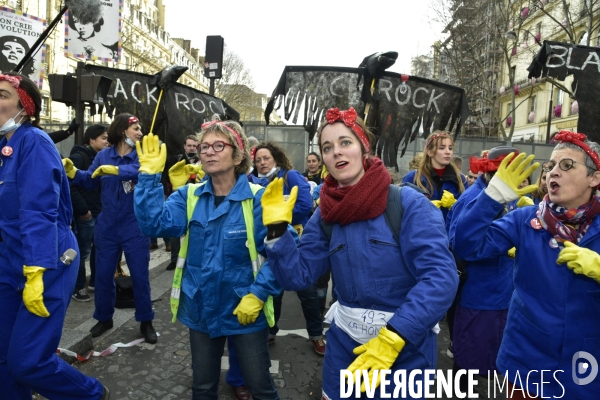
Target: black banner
[
  {"x": 181, "y": 112},
  {"x": 558, "y": 60},
  {"x": 401, "y": 109}
]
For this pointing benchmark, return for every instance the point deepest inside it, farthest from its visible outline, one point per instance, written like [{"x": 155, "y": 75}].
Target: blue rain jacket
[
  {"x": 416, "y": 281},
  {"x": 554, "y": 313},
  {"x": 218, "y": 271},
  {"x": 36, "y": 207},
  {"x": 489, "y": 283}
]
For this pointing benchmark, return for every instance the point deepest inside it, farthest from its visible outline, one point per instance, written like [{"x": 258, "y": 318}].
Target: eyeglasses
[
  {"x": 218, "y": 146},
  {"x": 565, "y": 164}
]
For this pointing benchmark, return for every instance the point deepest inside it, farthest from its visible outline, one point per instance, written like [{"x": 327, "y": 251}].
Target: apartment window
[
  {"x": 532, "y": 104},
  {"x": 538, "y": 28},
  {"x": 70, "y": 113},
  {"x": 86, "y": 115},
  {"x": 16, "y": 4},
  {"x": 44, "y": 108}
]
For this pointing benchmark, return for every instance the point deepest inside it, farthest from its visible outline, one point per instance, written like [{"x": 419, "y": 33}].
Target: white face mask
[
  {"x": 10, "y": 125},
  {"x": 130, "y": 142},
  {"x": 268, "y": 174}
]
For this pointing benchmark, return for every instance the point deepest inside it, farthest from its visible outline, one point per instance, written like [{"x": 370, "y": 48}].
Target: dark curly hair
[{"x": 279, "y": 155}]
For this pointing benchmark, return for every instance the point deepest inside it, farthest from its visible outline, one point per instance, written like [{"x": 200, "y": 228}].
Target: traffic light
[
  {"x": 63, "y": 88},
  {"x": 213, "y": 60},
  {"x": 94, "y": 88}
]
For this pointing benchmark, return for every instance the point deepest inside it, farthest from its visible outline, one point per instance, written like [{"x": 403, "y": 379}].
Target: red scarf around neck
[{"x": 363, "y": 201}]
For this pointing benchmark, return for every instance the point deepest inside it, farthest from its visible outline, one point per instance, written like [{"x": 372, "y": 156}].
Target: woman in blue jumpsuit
[
  {"x": 116, "y": 168},
  {"x": 35, "y": 285},
  {"x": 220, "y": 297},
  {"x": 391, "y": 294},
  {"x": 437, "y": 173},
  {"x": 554, "y": 313},
  {"x": 272, "y": 162}
]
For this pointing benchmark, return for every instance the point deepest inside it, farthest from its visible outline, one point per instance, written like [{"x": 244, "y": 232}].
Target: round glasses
[
  {"x": 565, "y": 164},
  {"x": 218, "y": 146}
]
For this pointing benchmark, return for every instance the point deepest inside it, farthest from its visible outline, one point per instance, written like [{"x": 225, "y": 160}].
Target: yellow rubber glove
[
  {"x": 378, "y": 353},
  {"x": 512, "y": 252},
  {"x": 580, "y": 260},
  {"x": 448, "y": 199},
  {"x": 152, "y": 154},
  {"x": 504, "y": 186},
  {"x": 525, "y": 201},
  {"x": 33, "y": 291},
  {"x": 276, "y": 208},
  {"x": 248, "y": 309},
  {"x": 299, "y": 229},
  {"x": 179, "y": 174},
  {"x": 69, "y": 168},
  {"x": 106, "y": 170},
  {"x": 324, "y": 171},
  {"x": 437, "y": 203}
]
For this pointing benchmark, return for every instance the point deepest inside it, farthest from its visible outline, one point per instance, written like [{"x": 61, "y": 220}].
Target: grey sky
[{"x": 270, "y": 34}]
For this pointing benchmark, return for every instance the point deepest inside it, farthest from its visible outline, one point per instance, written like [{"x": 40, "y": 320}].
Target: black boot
[
  {"x": 148, "y": 331},
  {"x": 101, "y": 327}
]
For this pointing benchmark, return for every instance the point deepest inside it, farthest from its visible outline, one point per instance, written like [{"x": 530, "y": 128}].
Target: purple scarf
[{"x": 560, "y": 221}]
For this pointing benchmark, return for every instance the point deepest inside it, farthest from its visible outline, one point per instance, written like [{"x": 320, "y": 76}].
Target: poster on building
[
  {"x": 18, "y": 32},
  {"x": 93, "y": 29}
]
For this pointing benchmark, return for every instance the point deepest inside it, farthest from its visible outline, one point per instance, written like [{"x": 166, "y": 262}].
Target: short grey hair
[{"x": 589, "y": 162}]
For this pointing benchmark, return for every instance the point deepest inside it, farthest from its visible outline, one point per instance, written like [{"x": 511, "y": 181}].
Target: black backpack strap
[
  {"x": 327, "y": 228},
  {"x": 394, "y": 210}
]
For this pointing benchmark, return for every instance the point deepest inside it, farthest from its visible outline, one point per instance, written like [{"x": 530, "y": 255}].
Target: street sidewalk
[{"x": 162, "y": 371}]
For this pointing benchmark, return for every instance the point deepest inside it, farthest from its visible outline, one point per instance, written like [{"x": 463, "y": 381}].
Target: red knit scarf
[{"x": 365, "y": 200}]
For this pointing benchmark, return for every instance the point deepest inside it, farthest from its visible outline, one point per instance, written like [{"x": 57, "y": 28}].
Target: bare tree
[
  {"x": 482, "y": 35},
  {"x": 236, "y": 86}
]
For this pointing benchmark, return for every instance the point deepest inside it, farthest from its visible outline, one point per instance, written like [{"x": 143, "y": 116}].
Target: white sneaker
[
  {"x": 450, "y": 351},
  {"x": 81, "y": 295}
]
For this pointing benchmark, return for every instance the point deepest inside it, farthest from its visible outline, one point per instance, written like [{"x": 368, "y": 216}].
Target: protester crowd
[{"x": 512, "y": 267}]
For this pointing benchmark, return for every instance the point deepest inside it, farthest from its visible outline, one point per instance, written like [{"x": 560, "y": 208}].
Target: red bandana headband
[
  {"x": 132, "y": 120},
  {"x": 578, "y": 140},
  {"x": 437, "y": 135},
  {"x": 24, "y": 97},
  {"x": 483, "y": 164},
  {"x": 236, "y": 135},
  {"x": 348, "y": 117}
]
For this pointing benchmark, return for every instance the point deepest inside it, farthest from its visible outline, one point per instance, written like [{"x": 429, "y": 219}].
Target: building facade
[
  {"x": 544, "y": 106},
  {"x": 146, "y": 47}
]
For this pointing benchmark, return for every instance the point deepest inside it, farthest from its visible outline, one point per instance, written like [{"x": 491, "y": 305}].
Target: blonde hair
[
  {"x": 425, "y": 165},
  {"x": 220, "y": 129},
  {"x": 414, "y": 163}
]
